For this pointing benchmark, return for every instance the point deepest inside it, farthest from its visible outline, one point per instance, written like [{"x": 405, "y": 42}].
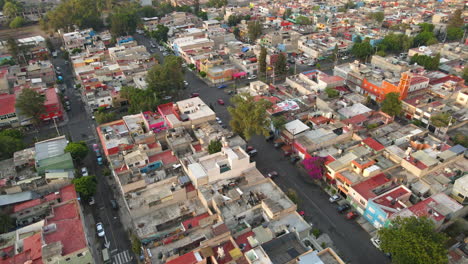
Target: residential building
[
  {"x": 53, "y": 106},
  {"x": 8, "y": 116},
  {"x": 460, "y": 190}
]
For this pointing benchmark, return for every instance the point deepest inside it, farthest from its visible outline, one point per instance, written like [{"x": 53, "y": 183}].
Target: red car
[
  {"x": 220, "y": 101},
  {"x": 194, "y": 95},
  {"x": 301, "y": 213},
  {"x": 351, "y": 215}
]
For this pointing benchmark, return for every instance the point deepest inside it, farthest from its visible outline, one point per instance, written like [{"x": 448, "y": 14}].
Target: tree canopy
[
  {"x": 215, "y": 146},
  {"x": 362, "y": 50},
  {"x": 167, "y": 78},
  {"x": 413, "y": 240},
  {"x": 11, "y": 9},
  {"x": 216, "y": 3},
  {"x": 233, "y": 19},
  {"x": 83, "y": 13},
  {"x": 6, "y": 223},
  {"x": 17, "y": 22},
  {"x": 249, "y": 117},
  {"x": 392, "y": 104},
  {"x": 123, "y": 21},
  {"x": 78, "y": 150},
  {"x": 303, "y": 20},
  {"x": 315, "y": 167},
  {"x": 31, "y": 103},
  {"x": 85, "y": 186},
  {"x": 425, "y": 38},
  {"x": 395, "y": 43},
  {"x": 103, "y": 117},
  {"x": 454, "y": 33},
  {"x": 280, "y": 65},
  {"x": 262, "y": 61},
  {"x": 254, "y": 29},
  {"x": 160, "y": 34},
  {"x": 11, "y": 140},
  {"x": 441, "y": 119},
  {"x": 377, "y": 16},
  {"x": 428, "y": 62},
  {"x": 278, "y": 122}
]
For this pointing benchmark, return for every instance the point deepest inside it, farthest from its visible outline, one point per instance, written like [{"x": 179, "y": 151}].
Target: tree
[
  {"x": 123, "y": 21},
  {"x": 167, "y": 78},
  {"x": 280, "y": 65},
  {"x": 196, "y": 6},
  {"x": 428, "y": 62},
  {"x": 362, "y": 50},
  {"x": 17, "y": 22},
  {"x": 9, "y": 145},
  {"x": 303, "y": 20},
  {"x": 215, "y": 146},
  {"x": 395, "y": 43},
  {"x": 315, "y": 167},
  {"x": 424, "y": 38},
  {"x": 358, "y": 39},
  {"x": 331, "y": 93},
  {"x": 78, "y": 150},
  {"x": 255, "y": 30},
  {"x": 454, "y": 33},
  {"x": 82, "y": 13},
  {"x": 392, "y": 104},
  {"x": 202, "y": 74},
  {"x": 11, "y": 132},
  {"x": 102, "y": 117},
  {"x": 426, "y": 27},
  {"x": 160, "y": 34},
  {"x": 461, "y": 139},
  {"x": 456, "y": 20},
  {"x": 441, "y": 119},
  {"x": 11, "y": 9},
  {"x": 377, "y": 16},
  {"x": 278, "y": 122},
  {"x": 262, "y": 66},
  {"x": 140, "y": 100},
  {"x": 413, "y": 240},
  {"x": 204, "y": 16},
  {"x": 465, "y": 74},
  {"x": 292, "y": 195},
  {"x": 249, "y": 117},
  {"x": 136, "y": 245},
  {"x": 236, "y": 32},
  {"x": 85, "y": 186},
  {"x": 217, "y": 3},
  {"x": 31, "y": 103},
  {"x": 6, "y": 223}
]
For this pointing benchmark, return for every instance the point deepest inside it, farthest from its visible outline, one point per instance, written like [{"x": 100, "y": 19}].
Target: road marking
[{"x": 122, "y": 257}]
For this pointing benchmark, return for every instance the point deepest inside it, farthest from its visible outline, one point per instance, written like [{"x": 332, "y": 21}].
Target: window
[
  {"x": 363, "y": 202},
  {"x": 372, "y": 210},
  {"x": 461, "y": 195},
  {"x": 80, "y": 255}
]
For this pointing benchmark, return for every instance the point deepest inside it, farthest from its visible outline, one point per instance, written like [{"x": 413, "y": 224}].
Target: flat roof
[{"x": 296, "y": 127}]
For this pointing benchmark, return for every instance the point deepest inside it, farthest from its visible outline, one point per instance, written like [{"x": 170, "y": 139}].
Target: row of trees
[
  {"x": 12, "y": 11},
  {"x": 428, "y": 62}
]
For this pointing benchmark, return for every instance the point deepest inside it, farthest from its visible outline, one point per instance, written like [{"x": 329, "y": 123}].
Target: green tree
[
  {"x": 280, "y": 65},
  {"x": 6, "y": 223},
  {"x": 236, "y": 32},
  {"x": 441, "y": 119},
  {"x": 255, "y": 30},
  {"x": 9, "y": 145},
  {"x": 428, "y": 62},
  {"x": 204, "y": 16},
  {"x": 392, "y": 104},
  {"x": 426, "y": 27},
  {"x": 249, "y": 117},
  {"x": 278, "y": 122},
  {"x": 160, "y": 34},
  {"x": 136, "y": 245},
  {"x": 465, "y": 74},
  {"x": 262, "y": 65},
  {"x": 217, "y": 3},
  {"x": 413, "y": 240},
  {"x": 424, "y": 38},
  {"x": 31, "y": 103},
  {"x": 215, "y": 146},
  {"x": 335, "y": 52},
  {"x": 377, "y": 16},
  {"x": 85, "y": 186},
  {"x": 123, "y": 21},
  {"x": 362, "y": 50},
  {"x": 102, "y": 117},
  {"x": 461, "y": 139},
  {"x": 332, "y": 93},
  {"x": 303, "y": 20},
  {"x": 196, "y": 6},
  {"x": 17, "y": 22},
  {"x": 140, "y": 100},
  {"x": 454, "y": 33},
  {"x": 82, "y": 13},
  {"x": 11, "y": 9},
  {"x": 167, "y": 78},
  {"x": 358, "y": 39},
  {"x": 49, "y": 44},
  {"x": 11, "y": 132},
  {"x": 395, "y": 43},
  {"x": 292, "y": 195},
  {"x": 78, "y": 150}
]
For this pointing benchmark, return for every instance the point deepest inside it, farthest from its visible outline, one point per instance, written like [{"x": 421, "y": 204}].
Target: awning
[{"x": 239, "y": 74}]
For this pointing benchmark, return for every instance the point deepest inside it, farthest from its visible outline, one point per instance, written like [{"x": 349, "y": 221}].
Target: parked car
[
  {"x": 185, "y": 83},
  {"x": 91, "y": 201},
  {"x": 301, "y": 213},
  {"x": 351, "y": 215},
  {"x": 222, "y": 86},
  {"x": 342, "y": 208},
  {"x": 272, "y": 174},
  {"x": 219, "y": 121},
  {"x": 294, "y": 159},
  {"x": 67, "y": 107},
  {"x": 252, "y": 152},
  {"x": 287, "y": 153},
  {"x": 114, "y": 204},
  {"x": 167, "y": 98},
  {"x": 278, "y": 144},
  {"x": 270, "y": 137},
  {"x": 221, "y": 101},
  {"x": 100, "y": 230},
  {"x": 251, "y": 77},
  {"x": 334, "y": 198},
  {"x": 84, "y": 171},
  {"x": 66, "y": 98},
  {"x": 194, "y": 95}
]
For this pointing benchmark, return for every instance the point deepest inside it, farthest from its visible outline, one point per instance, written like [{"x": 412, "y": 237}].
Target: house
[
  {"x": 381, "y": 207},
  {"x": 53, "y": 106},
  {"x": 460, "y": 190},
  {"x": 8, "y": 116},
  {"x": 364, "y": 191}
]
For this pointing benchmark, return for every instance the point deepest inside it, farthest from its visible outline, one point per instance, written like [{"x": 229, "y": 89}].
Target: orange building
[{"x": 408, "y": 82}]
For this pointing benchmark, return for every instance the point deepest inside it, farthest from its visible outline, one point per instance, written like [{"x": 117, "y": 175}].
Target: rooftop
[
  {"x": 7, "y": 104},
  {"x": 284, "y": 248},
  {"x": 50, "y": 148},
  {"x": 365, "y": 188}
]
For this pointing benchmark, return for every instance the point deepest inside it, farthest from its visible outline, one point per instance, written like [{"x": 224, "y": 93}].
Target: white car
[
  {"x": 251, "y": 77},
  {"x": 219, "y": 120},
  {"x": 100, "y": 229},
  {"x": 185, "y": 83},
  {"x": 84, "y": 171},
  {"x": 334, "y": 198},
  {"x": 376, "y": 242}
]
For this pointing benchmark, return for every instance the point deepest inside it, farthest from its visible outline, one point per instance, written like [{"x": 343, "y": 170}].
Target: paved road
[
  {"x": 80, "y": 127},
  {"x": 351, "y": 241}
]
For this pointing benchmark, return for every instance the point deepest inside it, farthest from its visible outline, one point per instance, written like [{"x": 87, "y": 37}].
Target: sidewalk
[{"x": 93, "y": 244}]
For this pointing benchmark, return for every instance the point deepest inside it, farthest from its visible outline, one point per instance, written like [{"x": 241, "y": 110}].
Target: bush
[
  {"x": 292, "y": 195},
  {"x": 202, "y": 74},
  {"x": 316, "y": 232},
  {"x": 332, "y": 93},
  {"x": 323, "y": 245},
  {"x": 372, "y": 126},
  {"x": 333, "y": 191},
  {"x": 136, "y": 245}
]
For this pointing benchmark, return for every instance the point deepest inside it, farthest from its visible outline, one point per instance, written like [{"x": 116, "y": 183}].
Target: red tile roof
[
  {"x": 51, "y": 97},
  {"x": 373, "y": 144},
  {"x": 195, "y": 221},
  {"x": 7, "y": 104},
  {"x": 65, "y": 194},
  {"x": 243, "y": 239},
  {"x": 166, "y": 157},
  {"x": 69, "y": 230},
  {"x": 422, "y": 209},
  {"x": 32, "y": 251},
  {"x": 228, "y": 246},
  {"x": 392, "y": 196},
  {"x": 365, "y": 188},
  {"x": 189, "y": 258}
]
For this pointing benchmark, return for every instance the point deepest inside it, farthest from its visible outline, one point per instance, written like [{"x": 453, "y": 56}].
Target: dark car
[
  {"x": 252, "y": 152},
  {"x": 222, "y": 86},
  {"x": 270, "y": 138},
  {"x": 342, "y": 208},
  {"x": 279, "y": 144},
  {"x": 295, "y": 159},
  {"x": 114, "y": 204},
  {"x": 287, "y": 153},
  {"x": 272, "y": 174}
]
